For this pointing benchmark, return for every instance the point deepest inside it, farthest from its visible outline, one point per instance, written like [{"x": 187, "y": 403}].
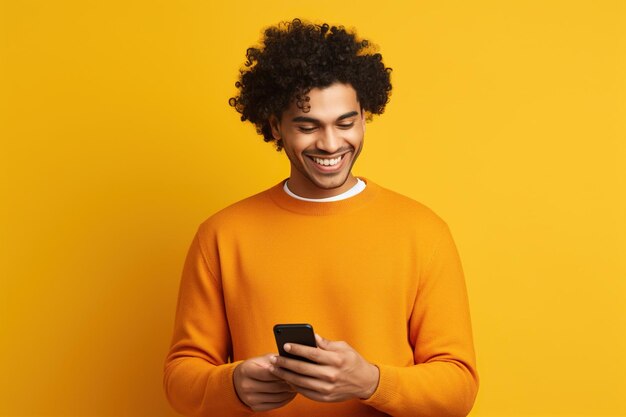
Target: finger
[
  {"x": 321, "y": 342},
  {"x": 263, "y": 361},
  {"x": 273, "y": 387},
  {"x": 258, "y": 398},
  {"x": 300, "y": 382},
  {"x": 331, "y": 345},
  {"x": 315, "y": 371},
  {"x": 265, "y": 378},
  {"x": 295, "y": 365},
  {"x": 270, "y": 406},
  {"x": 314, "y": 354},
  {"x": 317, "y": 396},
  {"x": 260, "y": 372}
]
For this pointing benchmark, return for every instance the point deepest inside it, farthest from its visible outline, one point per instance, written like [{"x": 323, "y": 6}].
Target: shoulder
[
  {"x": 406, "y": 209},
  {"x": 241, "y": 213}
]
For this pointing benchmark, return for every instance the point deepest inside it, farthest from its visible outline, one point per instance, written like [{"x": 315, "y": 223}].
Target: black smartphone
[{"x": 301, "y": 334}]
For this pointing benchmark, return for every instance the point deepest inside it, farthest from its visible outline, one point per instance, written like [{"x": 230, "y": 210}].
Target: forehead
[{"x": 326, "y": 103}]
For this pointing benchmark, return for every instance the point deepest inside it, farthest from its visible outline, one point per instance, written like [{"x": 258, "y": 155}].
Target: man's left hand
[{"x": 338, "y": 374}]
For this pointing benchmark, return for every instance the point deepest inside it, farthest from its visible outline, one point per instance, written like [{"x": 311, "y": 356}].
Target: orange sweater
[{"x": 378, "y": 270}]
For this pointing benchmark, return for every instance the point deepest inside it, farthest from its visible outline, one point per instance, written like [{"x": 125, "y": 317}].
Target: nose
[{"x": 329, "y": 140}]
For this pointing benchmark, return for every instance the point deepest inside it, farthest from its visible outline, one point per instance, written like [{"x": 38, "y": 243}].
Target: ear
[
  {"x": 275, "y": 126},
  {"x": 363, "y": 119}
]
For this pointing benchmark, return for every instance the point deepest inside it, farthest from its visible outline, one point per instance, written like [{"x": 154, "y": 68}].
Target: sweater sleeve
[
  {"x": 443, "y": 381},
  {"x": 197, "y": 375}
]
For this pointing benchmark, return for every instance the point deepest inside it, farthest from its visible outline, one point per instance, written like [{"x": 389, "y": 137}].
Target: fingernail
[
  {"x": 287, "y": 347},
  {"x": 273, "y": 359}
]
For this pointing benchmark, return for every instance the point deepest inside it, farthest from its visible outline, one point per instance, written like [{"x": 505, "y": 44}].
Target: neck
[
  {"x": 295, "y": 205},
  {"x": 307, "y": 189}
]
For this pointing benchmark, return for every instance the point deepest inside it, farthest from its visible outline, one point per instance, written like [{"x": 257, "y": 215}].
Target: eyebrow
[{"x": 312, "y": 120}]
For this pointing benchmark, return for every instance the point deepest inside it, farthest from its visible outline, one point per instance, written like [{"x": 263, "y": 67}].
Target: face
[{"x": 323, "y": 143}]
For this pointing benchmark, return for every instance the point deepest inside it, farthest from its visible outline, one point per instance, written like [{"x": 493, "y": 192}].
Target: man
[{"x": 376, "y": 273}]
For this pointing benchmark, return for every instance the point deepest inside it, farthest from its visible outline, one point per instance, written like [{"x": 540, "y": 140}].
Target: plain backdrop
[{"x": 506, "y": 118}]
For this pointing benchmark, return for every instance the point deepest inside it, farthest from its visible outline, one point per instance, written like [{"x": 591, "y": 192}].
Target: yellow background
[{"x": 507, "y": 119}]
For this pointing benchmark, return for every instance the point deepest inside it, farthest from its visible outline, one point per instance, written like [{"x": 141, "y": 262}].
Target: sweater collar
[{"x": 314, "y": 208}]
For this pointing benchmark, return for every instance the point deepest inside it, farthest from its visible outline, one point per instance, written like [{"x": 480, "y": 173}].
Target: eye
[
  {"x": 346, "y": 125},
  {"x": 306, "y": 129}
]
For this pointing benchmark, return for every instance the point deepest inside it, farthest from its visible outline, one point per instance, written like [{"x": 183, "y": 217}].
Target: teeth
[{"x": 327, "y": 162}]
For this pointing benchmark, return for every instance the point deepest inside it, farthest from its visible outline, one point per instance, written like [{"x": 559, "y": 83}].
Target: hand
[
  {"x": 258, "y": 388},
  {"x": 339, "y": 372}
]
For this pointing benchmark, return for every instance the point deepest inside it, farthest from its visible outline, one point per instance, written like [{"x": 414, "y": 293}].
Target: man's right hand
[{"x": 258, "y": 388}]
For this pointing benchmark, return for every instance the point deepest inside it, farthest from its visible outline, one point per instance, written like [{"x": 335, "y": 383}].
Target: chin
[{"x": 333, "y": 183}]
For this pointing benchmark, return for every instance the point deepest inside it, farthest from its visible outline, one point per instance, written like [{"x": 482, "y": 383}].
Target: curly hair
[{"x": 296, "y": 57}]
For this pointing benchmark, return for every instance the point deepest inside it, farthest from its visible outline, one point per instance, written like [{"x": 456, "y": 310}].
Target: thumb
[
  {"x": 322, "y": 343},
  {"x": 262, "y": 361},
  {"x": 332, "y": 345}
]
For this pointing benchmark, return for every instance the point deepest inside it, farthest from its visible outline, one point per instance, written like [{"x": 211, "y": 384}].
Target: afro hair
[{"x": 296, "y": 57}]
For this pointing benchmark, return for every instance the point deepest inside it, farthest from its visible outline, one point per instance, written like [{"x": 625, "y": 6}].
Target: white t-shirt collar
[{"x": 356, "y": 188}]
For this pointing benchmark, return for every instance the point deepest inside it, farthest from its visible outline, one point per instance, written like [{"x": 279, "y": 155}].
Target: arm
[
  {"x": 198, "y": 379},
  {"x": 444, "y": 380}
]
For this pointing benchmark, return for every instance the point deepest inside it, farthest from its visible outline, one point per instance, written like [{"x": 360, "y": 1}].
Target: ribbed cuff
[
  {"x": 231, "y": 400},
  {"x": 387, "y": 390}
]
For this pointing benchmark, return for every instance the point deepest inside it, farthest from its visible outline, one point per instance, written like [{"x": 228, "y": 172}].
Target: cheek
[
  {"x": 298, "y": 143},
  {"x": 292, "y": 154},
  {"x": 356, "y": 135}
]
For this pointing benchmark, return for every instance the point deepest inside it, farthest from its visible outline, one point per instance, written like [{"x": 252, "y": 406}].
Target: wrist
[
  {"x": 236, "y": 377},
  {"x": 372, "y": 382}
]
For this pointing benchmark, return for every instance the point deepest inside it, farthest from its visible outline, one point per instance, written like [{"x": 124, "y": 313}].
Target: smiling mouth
[{"x": 327, "y": 161}]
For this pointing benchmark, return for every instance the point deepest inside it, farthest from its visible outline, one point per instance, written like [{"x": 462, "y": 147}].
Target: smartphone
[{"x": 301, "y": 334}]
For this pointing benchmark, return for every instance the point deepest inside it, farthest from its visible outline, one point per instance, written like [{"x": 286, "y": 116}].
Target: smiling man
[
  {"x": 376, "y": 273},
  {"x": 324, "y": 144}
]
